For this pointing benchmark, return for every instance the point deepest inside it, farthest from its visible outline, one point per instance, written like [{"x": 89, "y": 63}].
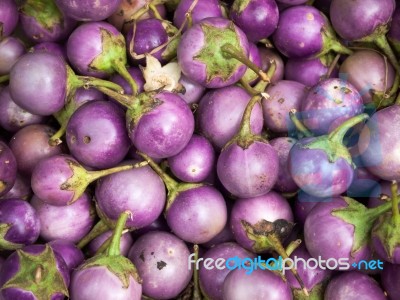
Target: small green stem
[
  {"x": 262, "y": 85},
  {"x": 332, "y": 66},
  {"x": 245, "y": 126},
  {"x": 97, "y": 230},
  {"x": 293, "y": 246},
  {"x": 115, "y": 245},
  {"x": 4, "y": 78},
  {"x": 88, "y": 82},
  {"x": 382, "y": 42},
  {"x": 332, "y": 44},
  {"x": 120, "y": 68},
  {"x": 231, "y": 52},
  {"x": 94, "y": 175},
  {"x": 298, "y": 124},
  {"x": 375, "y": 212},
  {"x": 144, "y": 9},
  {"x": 55, "y": 139},
  {"x": 196, "y": 293},
  {"x": 156, "y": 14},
  {"x": 395, "y": 203},
  {"x": 338, "y": 134},
  {"x": 125, "y": 100},
  {"x": 245, "y": 85}
]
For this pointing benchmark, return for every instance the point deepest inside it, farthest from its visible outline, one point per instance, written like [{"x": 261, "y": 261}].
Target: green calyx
[
  {"x": 218, "y": 64},
  {"x": 330, "y": 41},
  {"x": 4, "y": 244},
  {"x": 45, "y": 12},
  {"x": 240, "y": 5},
  {"x": 117, "y": 264},
  {"x": 332, "y": 144},
  {"x": 38, "y": 274},
  {"x": 317, "y": 292},
  {"x": 362, "y": 220},
  {"x": 387, "y": 230}
]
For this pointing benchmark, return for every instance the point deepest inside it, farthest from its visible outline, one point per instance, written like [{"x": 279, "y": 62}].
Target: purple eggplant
[
  {"x": 19, "y": 224},
  {"x": 193, "y": 91},
  {"x": 258, "y": 19},
  {"x": 31, "y": 144},
  {"x": 34, "y": 272},
  {"x": 139, "y": 190},
  {"x": 219, "y": 124},
  {"x": 70, "y": 222},
  {"x": 109, "y": 275},
  {"x": 303, "y": 205},
  {"x": 88, "y": 10},
  {"x": 284, "y": 95},
  {"x": 11, "y": 49},
  {"x": 71, "y": 254},
  {"x": 390, "y": 280},
  {"x": 162, "y": 262},
  {"x": 248, "y": 165},
  {"x": 323, "y": 166},
  {"x": 374, "y": 24},
  {"x": 195, "y": 212},
  {"x": 21, "y": 189},
  {"x": 304, "y": 32},
  {"x": 353, "y": 286},
  {"x": 285, "y": 182},
  {"x": 8, "y": 168},
  {"x": 136, "y": 74},
  {"x": 227, "y": 43},
  {"x": 195, "y": 162},
  {"x": 50, "y": 47},
  {"x": 12, "y": 116},
  {"x": 99, "y": 244},
  {"x": 370, "y": 73},
  {"x": 212, "y": 280},
  {"x": 60, "y": 180},
  {"x": 340, "y": 229},
  {"x": 8, "y": 17},
  {"x": 43, "y": 21}
]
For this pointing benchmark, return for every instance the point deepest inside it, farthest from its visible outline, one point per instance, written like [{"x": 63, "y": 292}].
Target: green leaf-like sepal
[
  {"x": 240, "y": 5},
  {"x": 38, "y": 274},
  {"x": 45, "y": 12},
  {"x": 118, "y": 265},
  {"x": 4, "y": 244},
  {"x": 317, "y": 293},
  {"x": 388, "y": 231}
]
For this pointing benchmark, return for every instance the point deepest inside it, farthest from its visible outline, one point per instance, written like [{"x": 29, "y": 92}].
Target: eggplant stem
[
  {"x": 115, "y": 245},
  {"x": 298, "y": 124},
  {"x": 395, "y": 202}
]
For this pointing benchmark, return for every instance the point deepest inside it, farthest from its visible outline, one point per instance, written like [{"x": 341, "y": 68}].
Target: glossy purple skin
[
  {"x": 158, "y": 225},
  {"x": 8, "y": 16},
  {"x": 212, "y": 281},
  {"x": 285, "y": 182},
  {"x": 39, "y": 69},
  {"x": 96, "y": 134},
  {"x": 71, "y": 254},
  {"x": 307, "y": 71},
  {"x": 162, "y": 262},
  {"x": 48, "y": 176},
  {"x": 266, "y": 56},
  {"x": 193, "y": 90},
  {"x": 383, "y": 188},
  {"x": 224, "y": 236},
  {"x": 309, "y": 276},
  {"x": 11, "y": 266},
  {"x": 23, "y": 220},
  {"x": 258, "y": 20},
  {"x": 195, "y": 162},
  {"x": 315, "y": 174},
  {"x": 379, "y": 141},
  {"x": 166, "y": 129},
  {"x": 149, "y": 34},
  {"x": 353, "y": 285},
  {"x": 197, "y": 215},
  {"x": 390, "y": 279},
  {"x": 11, "y": 49},
  {"x": 97, "y": 282},
  {"x": 299, "y": 32},
  {"x": 354, "y": 20},
  {"x": 284, "y": 96},
  {"x": 192, "y": 42},
  {"x": 367, "y": 71},
  {"x": 218, "y": 117},
  {"x": 85, "y": 44},
  {"x": 203, "y": 9},
  {"x": 126, "y": 243},
  {"x": 248, "y": 172},
  {"x": 88, "y": 10},
  {"x": 330, "y": 237},
  {"x": 269, "y": 207},
  {"x": 21, "y": 189},
  {"x": 303, "y": 204},
  {"x": 70, "y": 222},
  {"x": 140, "y": 191},
  {"x": 31, "y": 144},
  {"x": 50, "y": 47},
  {"x": 329, "y": 103},
  {"x": 83, "y": 95},
  {"x": 136, "y": 75},
  {"x": 38, "y": 32},
  {"x": 264, "y": 285},
  {"x": 8, "y": 168},
  {"x": 13, "y": 117}
]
